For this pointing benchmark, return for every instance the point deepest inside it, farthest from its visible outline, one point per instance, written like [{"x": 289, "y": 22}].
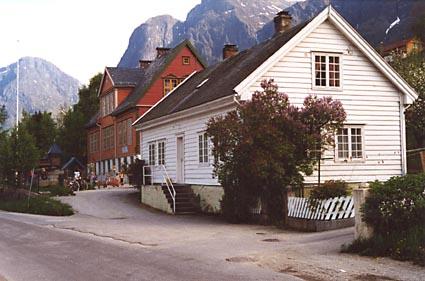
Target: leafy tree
[
  {"x": 72, "y": 133},
  {"x": 264, "y": 146},
  {"x": 18, "y": 155},
  {"x": 3, "y": 116},
  {"x": 42, "y": 127},
  {"x": 412, "y": 69}
]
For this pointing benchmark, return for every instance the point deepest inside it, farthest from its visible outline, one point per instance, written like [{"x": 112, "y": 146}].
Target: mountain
[
  {"x": 209, "y": 26},
  {"x": 370, "y": 18},
  {"x": 42, "y": 86},
  {"x": 213, "y": 23}
]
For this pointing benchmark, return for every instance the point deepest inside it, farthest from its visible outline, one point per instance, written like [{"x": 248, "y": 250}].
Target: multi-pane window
[
  {"x": 124, "y": 132},
  {"x": 107, "y": 104},
  {"x": 349, "y": 143},
  {"x": 108, "y": 138},
  {"x": 327, "y": 71},
  {"x": 152, "y": 154},
  {"x": 161, "y": 153},
  {"x": 170, "y": 84},
  {"x": 203, "y": 148},
  {"x": 94, "y": 142}
]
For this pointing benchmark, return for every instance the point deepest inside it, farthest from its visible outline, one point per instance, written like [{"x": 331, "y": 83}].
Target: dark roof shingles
[
  {"x": 222, "y": 78},
  {"x": 122, "y": 76}
]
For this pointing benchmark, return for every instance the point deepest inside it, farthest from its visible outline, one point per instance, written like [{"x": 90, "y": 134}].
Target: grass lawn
[{"x": 40, "y": 205}]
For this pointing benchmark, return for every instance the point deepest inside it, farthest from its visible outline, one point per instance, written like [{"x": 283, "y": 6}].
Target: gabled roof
[
  {"x": 222, "y": 78},
  {"x": 72, "y": 162},
  {"x": 235, "y": 75},
  {"x": 151, "y": 74},
  {"x": 93, "y": 121},
  {"x": 54, "y": 149},
  {"x": 123, "y": 76}
]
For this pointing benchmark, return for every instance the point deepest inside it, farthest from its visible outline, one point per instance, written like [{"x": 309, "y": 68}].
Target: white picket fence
[{"x": 330, "y": 209}]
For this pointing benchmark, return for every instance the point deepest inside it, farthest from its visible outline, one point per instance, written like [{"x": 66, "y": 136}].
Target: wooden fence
[{"x": 330, "y": 209}]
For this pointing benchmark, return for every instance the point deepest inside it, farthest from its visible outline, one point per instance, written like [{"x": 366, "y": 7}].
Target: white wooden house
[{"x": 324, "y": 56}]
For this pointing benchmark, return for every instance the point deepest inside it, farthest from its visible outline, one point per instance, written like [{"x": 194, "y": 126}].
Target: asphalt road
[
  {"x": 34, "y": 252},
  {"x": 112, "y": 237}
]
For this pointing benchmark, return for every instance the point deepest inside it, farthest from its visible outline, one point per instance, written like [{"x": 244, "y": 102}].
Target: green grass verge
[
  {"x": 40, "y": 205},
  {"x": 57, "y": 190}
]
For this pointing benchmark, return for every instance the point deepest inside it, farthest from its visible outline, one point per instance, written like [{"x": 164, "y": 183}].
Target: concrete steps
[{"x": 184, "y": 199}]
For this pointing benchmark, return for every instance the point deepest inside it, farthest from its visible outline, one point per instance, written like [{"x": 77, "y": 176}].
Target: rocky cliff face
[
  {"x": 156, "y": 32},
  {"x": 209, "y": 26},
  {"x": 213, "y": 23},
  {"x": 370, "y": 18},
  {"x": 42, "y": 86}
]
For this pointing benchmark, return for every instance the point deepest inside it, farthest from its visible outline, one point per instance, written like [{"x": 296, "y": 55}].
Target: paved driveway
[{"x": 116, "y": 215}]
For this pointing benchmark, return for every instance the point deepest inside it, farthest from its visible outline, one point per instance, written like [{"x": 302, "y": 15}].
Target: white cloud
[{"x": 80, "y": 36}]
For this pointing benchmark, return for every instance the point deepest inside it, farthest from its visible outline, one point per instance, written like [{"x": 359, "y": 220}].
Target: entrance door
[{"x": 180, "y": 160}]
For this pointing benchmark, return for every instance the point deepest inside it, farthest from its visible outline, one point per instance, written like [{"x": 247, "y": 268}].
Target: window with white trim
[
  {"x": 327, "y": 71},
  {"x": 203, "y": 148},
  {"x": 161, "y": 152},
  {"x": 349, "y": 143},
  {"x": 152, "y": 152}
]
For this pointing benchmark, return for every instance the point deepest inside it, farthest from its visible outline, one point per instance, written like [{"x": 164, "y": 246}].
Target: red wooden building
[{"x": 127, "y": 93}]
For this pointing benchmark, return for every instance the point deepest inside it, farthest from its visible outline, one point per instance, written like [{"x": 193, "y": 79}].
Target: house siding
[
  {"x": 367, "y": 96},
  {"x": 189, "y": 128}
]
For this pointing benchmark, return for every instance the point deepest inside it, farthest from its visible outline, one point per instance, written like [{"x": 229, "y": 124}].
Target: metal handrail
[{"x": 170, "y": 186}]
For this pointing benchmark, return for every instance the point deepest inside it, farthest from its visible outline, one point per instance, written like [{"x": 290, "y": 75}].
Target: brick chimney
[
  {"x": 230, "y": 50},
  {"x": 282, "y": 22},
  {"x": 143, "y": 64},
  {"x": 160, "y": 51}
]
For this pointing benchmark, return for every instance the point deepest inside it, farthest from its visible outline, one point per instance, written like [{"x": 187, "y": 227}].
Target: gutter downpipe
[{"x": 100, "y": 145}]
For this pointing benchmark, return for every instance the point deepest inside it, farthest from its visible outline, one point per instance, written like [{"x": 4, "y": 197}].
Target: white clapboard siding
[
  {"x": 189, "y": 128},
  {"x": 329, "y": 209},
  {"x": 368, "y": 97}
]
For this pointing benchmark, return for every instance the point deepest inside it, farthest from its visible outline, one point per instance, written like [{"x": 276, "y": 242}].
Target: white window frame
[
  {"x": 350, "y": 151},
  {"x": 152, "y": 153},
  {"x": 157, "y": 156},
  {"x": 313, "y": 71},
  {"x": 204, "y": 149},
  {"x": 161, "y": 155}
]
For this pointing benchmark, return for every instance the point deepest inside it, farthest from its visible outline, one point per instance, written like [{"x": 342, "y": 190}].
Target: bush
[
  {"x": 329, "y": 189},
  {"x": 396, "y": 211},
  {"x": 396, "y": 205},
  {"x": 40, "y": 205},
  {"x": 58, "y": 190}
]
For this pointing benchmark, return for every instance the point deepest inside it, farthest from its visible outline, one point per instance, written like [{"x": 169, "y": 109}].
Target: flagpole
[{"x": 17, "y": 89}]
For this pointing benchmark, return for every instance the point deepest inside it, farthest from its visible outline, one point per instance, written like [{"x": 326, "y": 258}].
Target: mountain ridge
[
  {"x": 213, "y": 23},
  {"x": 42, "y": 87}
]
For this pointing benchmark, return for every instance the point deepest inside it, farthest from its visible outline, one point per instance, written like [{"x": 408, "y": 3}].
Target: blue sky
[{"x": 81, "y": 36}]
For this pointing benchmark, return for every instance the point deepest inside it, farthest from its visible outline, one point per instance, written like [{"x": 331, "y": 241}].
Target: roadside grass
[
  {"x": 409, "y": 246},
  {"x": 39, "y": 205},
  {"x": 57, "y": 190}
]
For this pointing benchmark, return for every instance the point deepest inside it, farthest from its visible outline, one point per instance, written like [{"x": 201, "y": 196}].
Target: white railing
[
  {"x": 166, "y": 181},
  {"x": 329, "y": 209}
]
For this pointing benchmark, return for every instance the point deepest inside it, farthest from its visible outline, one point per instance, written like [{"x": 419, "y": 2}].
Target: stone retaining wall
[
  {"x": 153, "y": 196},
  {"x": 209, "y": 197},
  {"x": 318, "y": 225}
]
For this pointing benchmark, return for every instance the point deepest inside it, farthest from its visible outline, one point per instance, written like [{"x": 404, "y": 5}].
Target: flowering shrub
[
  {"x": 263, "y": 146},
  {"x": 329, "y": 189}
]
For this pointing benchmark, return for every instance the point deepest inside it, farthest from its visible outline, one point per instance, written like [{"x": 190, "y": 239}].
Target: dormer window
[
  {"x": 326, "y": 71},
  {"x": 186, "y": 60},
  {"x": 107, "y": 103}
]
